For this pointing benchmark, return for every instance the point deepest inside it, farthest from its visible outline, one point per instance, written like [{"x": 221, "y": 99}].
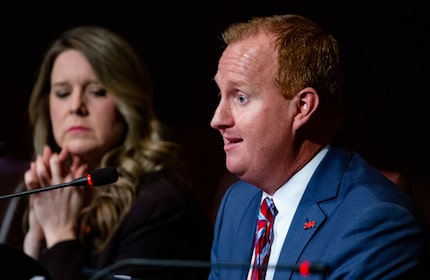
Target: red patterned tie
[{"x": 263, "y": 238}]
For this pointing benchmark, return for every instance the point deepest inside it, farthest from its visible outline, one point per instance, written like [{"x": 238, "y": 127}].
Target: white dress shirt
[{"x": 286, "y": 200}]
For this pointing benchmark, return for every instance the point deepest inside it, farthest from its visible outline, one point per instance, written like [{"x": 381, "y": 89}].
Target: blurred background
[{"x": 385, "y": 52}]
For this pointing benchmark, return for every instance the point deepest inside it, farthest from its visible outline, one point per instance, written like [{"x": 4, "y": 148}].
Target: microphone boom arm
[
  {"x": 97, "y": 177},
  {"x": 36, "y": 190}
]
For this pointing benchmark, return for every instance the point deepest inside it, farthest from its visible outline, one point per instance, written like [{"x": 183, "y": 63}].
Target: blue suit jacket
[{"x": 365, "y": 226}]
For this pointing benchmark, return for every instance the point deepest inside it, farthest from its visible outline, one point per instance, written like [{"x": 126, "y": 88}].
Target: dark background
[
  {"x": 385, "y": 53},
  {"x": 383, "y": 44}
]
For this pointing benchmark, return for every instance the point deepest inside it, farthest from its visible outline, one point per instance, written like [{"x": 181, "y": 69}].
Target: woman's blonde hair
[{"x": 144, "y": 148}]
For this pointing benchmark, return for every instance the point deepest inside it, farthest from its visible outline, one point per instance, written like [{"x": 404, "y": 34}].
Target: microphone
[
  {"x": 305, "y": 268},
  {"x": 96, "y": 177}
]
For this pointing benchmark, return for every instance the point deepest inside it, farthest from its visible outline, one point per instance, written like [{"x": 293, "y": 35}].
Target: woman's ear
[{"x": 307, "y": 104}]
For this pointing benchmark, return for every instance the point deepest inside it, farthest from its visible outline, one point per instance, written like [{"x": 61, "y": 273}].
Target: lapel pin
[{"x": 309, "y": 224}]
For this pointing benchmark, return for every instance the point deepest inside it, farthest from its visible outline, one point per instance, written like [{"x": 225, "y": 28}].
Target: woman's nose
[{"x": 78, "y": 104}]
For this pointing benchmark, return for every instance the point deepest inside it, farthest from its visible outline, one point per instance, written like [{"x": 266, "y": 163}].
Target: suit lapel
[
  {"x": 306, "y": 221},
  {"x": 246, "y": 228},
  {"x": 245, "y": 204},
  {"x": 309, "y": 217}
]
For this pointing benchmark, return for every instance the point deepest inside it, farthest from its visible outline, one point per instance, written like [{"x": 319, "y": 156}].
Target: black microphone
[
  {"x": 96, "y": 177},
  {"x": 305, "y": 268}
]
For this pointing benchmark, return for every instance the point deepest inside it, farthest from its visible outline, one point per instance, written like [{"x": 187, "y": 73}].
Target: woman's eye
[
  {"x": 62, "y": 94},
  {"x": 99, "y": 92}
]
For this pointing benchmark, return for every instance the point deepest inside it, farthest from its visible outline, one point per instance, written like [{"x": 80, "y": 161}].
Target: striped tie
[{"x": 263, "y": 238}]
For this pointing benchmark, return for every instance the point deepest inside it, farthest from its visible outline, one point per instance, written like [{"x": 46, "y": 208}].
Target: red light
[
  {"x": 304, "y": 268},
  {"x": 90, "y": 182}
]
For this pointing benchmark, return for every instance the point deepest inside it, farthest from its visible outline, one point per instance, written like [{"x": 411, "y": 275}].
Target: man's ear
[{"x": 307, "y": 104}]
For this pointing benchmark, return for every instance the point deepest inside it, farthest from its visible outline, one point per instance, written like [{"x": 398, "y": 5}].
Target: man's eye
[{"x": 242, "y": 98}]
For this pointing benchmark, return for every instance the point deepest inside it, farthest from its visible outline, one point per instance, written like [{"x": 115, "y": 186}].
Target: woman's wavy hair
[{"x": 145, "y": 148}]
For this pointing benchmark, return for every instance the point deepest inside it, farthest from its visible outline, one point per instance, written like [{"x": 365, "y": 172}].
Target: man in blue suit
[{"x": 280, "y": 111}]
